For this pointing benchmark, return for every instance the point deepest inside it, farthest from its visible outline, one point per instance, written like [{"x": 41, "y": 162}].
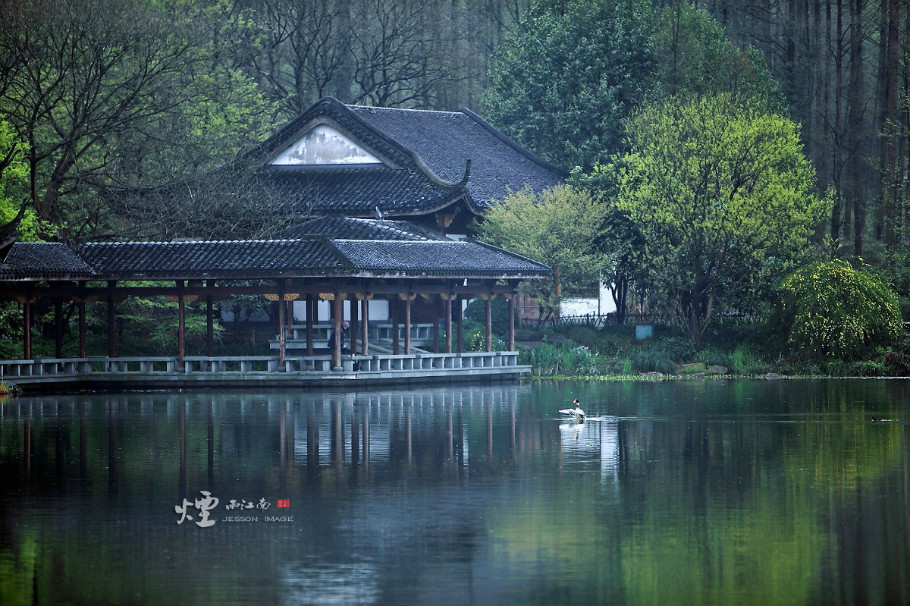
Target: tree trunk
[{"x": 855, "y": 128}]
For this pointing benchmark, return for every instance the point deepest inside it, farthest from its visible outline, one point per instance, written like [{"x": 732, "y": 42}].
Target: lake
[{"x": 673, "y": 492}]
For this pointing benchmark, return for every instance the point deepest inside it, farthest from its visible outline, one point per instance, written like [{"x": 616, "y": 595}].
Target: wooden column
[
  {"x": 459, "y": 325},
  {"x": 511, "y": 324},
  {"x": 58, "y": 328},
  {"x": 181, "y": 324},
  {"x": 488, "y": 307},
  {"x": 435, "y": 332},
  {"x": 365, "y": 325},
  {"x": 407, "y": 324},
  {"x": 396, "y": 340},
  {"x": 448, "y": 312},
  {"x": 338, "y": 312},
  {"x": 282, "y": 312},
  {"x": 355, "y": 324},
  {"x": 111, "y": 321},
  {"x": 82, "y": 351},
  {"x": 27, "y": 328},
  {"x": 209, "y": 324},
  {"x": 310, "y": 309}
]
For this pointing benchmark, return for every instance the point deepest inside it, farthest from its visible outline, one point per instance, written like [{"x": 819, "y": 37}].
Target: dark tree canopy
[{"x": 565, "y": 79}]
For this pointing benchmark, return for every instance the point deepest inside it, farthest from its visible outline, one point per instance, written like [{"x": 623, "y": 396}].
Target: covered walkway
[{"x": 417, "y": 268}]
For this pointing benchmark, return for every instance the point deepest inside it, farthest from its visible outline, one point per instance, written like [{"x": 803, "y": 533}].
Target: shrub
[
  {"x": 834, "y": 310},
  {"x": 566, "y": 358},
  {"x": 867, "y": 368},
  {"x": 655, "y": 359},
  {"x": 499, "y": 314}
]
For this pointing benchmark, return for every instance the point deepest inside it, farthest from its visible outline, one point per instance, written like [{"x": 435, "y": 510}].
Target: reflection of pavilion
[
  {"x": 594, "y": 441},
  {"x": 330, "y": 435}
]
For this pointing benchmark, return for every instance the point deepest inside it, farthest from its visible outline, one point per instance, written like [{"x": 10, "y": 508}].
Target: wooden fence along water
[{"x": 45, "y": 374}]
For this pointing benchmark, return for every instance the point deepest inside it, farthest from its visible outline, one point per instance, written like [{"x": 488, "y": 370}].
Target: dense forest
[
  {"x": 116, "y": 91},
  {"x": 102, "y": 97}
]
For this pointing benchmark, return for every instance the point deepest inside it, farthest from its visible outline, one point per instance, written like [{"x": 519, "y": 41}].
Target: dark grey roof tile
[
  {"x": 43, "y": 260},
  {"x": 465, "y": 257},
  {"x": 363, "y": 229}
]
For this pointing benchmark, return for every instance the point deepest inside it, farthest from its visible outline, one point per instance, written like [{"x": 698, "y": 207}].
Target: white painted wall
[{"x": 583, "y": 306}]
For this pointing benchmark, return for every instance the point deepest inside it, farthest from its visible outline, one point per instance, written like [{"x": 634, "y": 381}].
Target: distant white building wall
[{"x": 589, "y": 306}]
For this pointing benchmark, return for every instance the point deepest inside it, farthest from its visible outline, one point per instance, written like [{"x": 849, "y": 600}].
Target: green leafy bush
[
  {"x": 655, "y": 359},
  {"x": 834, "y": 310},
  {"x": 566, "y": 358}
]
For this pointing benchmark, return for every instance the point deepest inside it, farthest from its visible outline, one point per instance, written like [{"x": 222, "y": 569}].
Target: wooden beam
[{"x": 423, "y": 286}]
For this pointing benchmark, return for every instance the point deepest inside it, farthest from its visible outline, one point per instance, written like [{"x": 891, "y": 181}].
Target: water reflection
[{"x": 693, "y": 492}]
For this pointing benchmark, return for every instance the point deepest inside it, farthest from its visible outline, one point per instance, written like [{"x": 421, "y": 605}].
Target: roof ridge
[{"x": 405, "y": 109}]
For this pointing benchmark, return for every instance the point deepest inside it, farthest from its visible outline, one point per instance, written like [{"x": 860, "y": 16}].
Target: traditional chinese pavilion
[{"x": 388, "y": 195}]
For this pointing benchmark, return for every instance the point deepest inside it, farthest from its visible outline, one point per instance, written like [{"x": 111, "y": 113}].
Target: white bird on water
[{"x": 577, "y": 412}]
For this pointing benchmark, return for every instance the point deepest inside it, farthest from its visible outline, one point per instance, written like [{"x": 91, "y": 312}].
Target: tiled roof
[
  {"x": 44, "y": 260},
  {"x": 384, "y": 249},
  {"x": 424, "y": 166},
  {"x": 446, "y": 140},
  {"x": 358, "y": 192},
  {"x": 463, "y": 258},
  {"x": 259, "y": 258}
]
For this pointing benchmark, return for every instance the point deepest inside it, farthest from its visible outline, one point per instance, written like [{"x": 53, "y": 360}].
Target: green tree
[
  {"x": 835, "y": 310},
  {"x": 695, "y": 57},
  {"x": 619, "y": 240},
  {"x": 563, "y": 81},
  {"x": 117, "y": 92},
  {"x": 557, "y": 227},
  {"x": 14, "y": 185},
  {"x": 722, "y": 195}
]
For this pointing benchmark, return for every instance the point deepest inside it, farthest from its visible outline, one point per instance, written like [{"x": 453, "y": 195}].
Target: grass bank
[{"x": 737, "y": 349}]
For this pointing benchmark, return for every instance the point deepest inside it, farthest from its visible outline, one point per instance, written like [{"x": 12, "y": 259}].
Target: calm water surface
[{"x": 745, "y": 492}]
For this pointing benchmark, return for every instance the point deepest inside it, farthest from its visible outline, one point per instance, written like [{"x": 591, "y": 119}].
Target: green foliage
[
  {"x": 723, "y": 197},
  {"x": 14, "y": 186},
  {"x": 695, "y": 58},
  {"x": 557, "y": 227},
  {"x": 565, "y": 359},
  {"x": 476, "y": 311},
  {"x": 832, "y": 309},
  {"x": 655, "y": 359},
  {"x": 10, "y": 330},
  {"x": 563, "y": 81},
  {"x": 113, "y": 93},
  {"x": 475, "y": 337}
]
